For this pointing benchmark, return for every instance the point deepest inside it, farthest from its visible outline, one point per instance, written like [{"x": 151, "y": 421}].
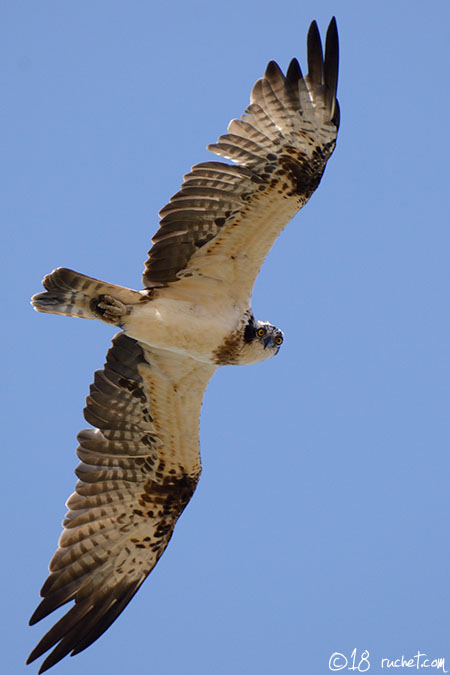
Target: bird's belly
[{"x": 183, "y": 327}]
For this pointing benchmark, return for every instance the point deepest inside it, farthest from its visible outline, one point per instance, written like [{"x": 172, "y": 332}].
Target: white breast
[{"x": 183, "y": 326}]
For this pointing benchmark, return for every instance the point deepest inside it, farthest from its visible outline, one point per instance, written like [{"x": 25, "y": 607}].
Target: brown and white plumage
[
  {"x": 138, "y": 470},
  {"x": 224, "y": 220},
  {"x": 140, "y": 465}
]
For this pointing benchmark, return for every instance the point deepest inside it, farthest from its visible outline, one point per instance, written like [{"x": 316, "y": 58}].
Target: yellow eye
[
  {"x": 278, "y": 340},
  {"x": 261, "y": 332}
]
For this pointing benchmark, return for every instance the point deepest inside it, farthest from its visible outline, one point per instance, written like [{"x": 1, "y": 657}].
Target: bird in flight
[{"x": 140, "y": 464}]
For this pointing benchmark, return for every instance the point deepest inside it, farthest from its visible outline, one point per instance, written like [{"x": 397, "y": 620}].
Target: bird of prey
[{"x": 140, "y": 464}]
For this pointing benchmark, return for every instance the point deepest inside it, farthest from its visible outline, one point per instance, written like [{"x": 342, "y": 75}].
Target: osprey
[{"x": 140, "y": 464}]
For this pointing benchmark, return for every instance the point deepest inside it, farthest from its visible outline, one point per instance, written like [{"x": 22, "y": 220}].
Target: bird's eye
[
  {"x": 261, "y": 332},
  {"x": 278, "y": 340}
]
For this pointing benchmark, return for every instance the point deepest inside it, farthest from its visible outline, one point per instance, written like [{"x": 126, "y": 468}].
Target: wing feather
[
  {"x": 315, "y": 56},
  {"x": 138, "y": 470},
  {"x": 280, "y": 148}
]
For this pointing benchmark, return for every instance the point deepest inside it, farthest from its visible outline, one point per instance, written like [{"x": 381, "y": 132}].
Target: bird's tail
[{"x": 70, "y": 293}]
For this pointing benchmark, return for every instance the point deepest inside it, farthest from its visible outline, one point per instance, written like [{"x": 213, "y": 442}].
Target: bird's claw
[{"x": 109, "y": 309}]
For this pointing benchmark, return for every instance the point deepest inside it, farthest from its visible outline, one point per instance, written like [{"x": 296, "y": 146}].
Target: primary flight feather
[{"x": 141, "y": 463}]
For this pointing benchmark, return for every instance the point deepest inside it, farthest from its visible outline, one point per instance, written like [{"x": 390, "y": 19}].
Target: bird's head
[{"x": 261, "y": 341}]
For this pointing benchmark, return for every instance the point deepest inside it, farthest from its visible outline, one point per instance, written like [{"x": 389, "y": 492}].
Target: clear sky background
[{"x": 322, "y": 519}]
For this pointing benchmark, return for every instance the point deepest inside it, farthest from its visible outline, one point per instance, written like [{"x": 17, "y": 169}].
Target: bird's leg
[{"x": 109, "y": 309}]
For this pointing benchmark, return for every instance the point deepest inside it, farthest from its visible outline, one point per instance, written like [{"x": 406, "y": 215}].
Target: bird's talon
[{"x": 108, "y": 308}]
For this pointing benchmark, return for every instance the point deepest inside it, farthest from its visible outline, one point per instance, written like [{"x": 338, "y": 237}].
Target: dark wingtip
[
  {"x": 274, "y": 75},
  {"x": 37, "y": 615},
  {"x": 331, "y": 66},
  {"x": 294, "y": 72},
  {"x": 35, "y": 654},
  {"x": 315, "y": 54},
  {"x": 48, "y": 663},
  {"x": 313, "y": 28},
  {"x": 273, "y": 70}
]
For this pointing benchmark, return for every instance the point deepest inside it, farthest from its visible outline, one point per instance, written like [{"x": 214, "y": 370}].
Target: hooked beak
[{"x": 268, "y": 342}]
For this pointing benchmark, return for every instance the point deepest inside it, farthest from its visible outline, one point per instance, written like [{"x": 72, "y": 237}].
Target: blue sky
[{"x": 322, "y": 519}]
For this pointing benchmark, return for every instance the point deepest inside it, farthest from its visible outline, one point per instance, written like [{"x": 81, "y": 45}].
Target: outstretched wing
[
  {"x": 224, "y": 220},
  {"x": 138, "y": 470}
]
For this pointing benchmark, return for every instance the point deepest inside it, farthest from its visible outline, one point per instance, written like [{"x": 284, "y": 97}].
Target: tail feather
[{"x": 70, "y": 293}]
